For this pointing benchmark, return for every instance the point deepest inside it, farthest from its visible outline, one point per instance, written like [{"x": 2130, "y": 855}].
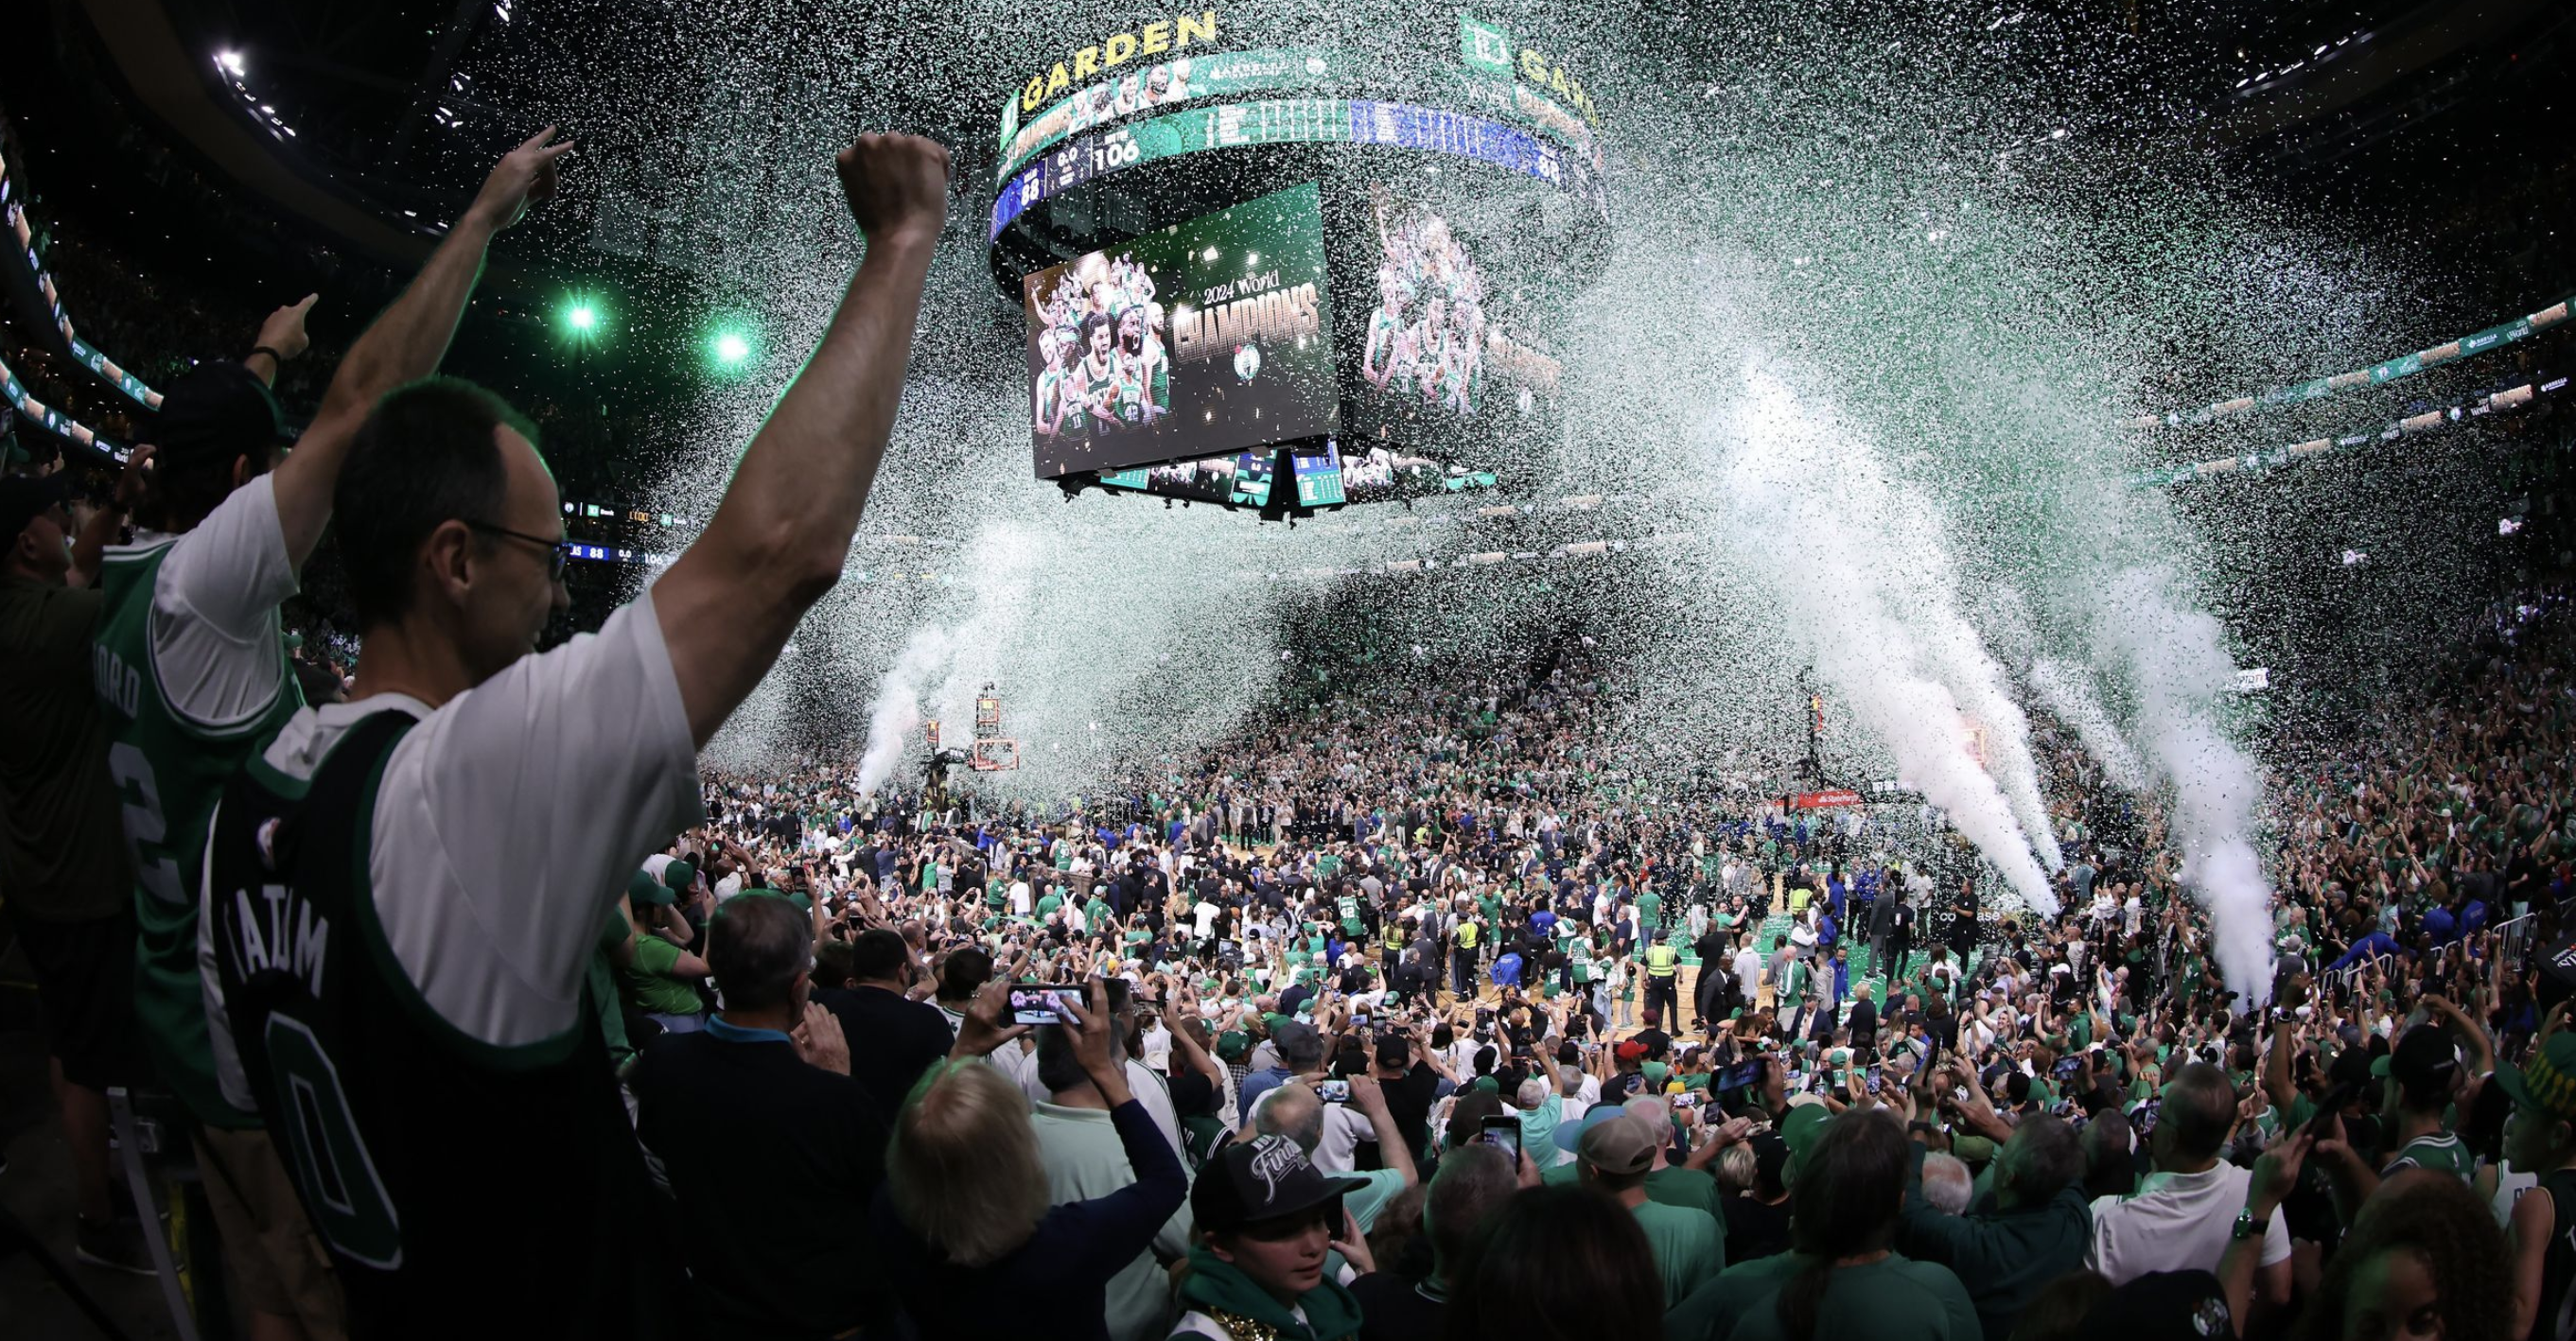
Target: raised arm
[
  {"x": 405, "y": 344},
  {"x": 778, "y": 540},
  {"x": 2277, "y": 1084}
]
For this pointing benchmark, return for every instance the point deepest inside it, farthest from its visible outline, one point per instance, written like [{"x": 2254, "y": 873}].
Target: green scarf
[{"x": 1215, "y": 1286}]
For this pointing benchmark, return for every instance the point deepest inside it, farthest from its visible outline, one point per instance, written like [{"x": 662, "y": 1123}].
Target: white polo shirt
[{"x": 2176, "y": 1222}]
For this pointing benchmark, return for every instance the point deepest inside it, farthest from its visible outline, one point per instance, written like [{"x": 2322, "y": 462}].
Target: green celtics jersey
[
  {"x": 1350, "y": 909},
  {"x": 2441, "y": 1151},
  {"x": 169, "y": 773},
  {"x": 1578, "y": 958}
]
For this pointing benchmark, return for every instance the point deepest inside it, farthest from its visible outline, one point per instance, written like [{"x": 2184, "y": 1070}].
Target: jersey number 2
[
  {"x": 348, "y": 1200},
  {"x": 145, "y": 826}
]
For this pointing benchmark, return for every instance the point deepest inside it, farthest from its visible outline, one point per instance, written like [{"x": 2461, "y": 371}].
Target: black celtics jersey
[{"x": 460, "y": 1186}]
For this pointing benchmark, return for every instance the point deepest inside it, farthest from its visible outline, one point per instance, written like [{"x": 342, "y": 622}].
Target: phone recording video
[
  {"x": 1333, "y": 1091},
  {"x": 1043, "y": 1003},
  {"x": 1502, "y": 1133},
  {"x": 1874, "y": 1081},
  {"x": 1740, "y": 1076}
]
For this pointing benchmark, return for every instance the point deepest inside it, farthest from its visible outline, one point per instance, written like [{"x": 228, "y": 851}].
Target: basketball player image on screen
[
  {"x": 1102, "y": 345},
  {"x": 1426, "y": 336},
  {"x": 1058, "y": 409},
  {"x": 1375, "y": 470}
]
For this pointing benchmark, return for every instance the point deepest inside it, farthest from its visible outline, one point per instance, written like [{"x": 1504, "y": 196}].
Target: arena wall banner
[
  {"x": 2257, "y": 462},
  {"x": 51, "y": 420},
  {"x": 22, "y": 227},
  {"x": 2378, "y": 374},
  {"x": 1198, "y": 340}
]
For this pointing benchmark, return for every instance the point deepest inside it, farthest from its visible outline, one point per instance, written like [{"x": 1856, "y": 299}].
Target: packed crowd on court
[{"x": 488, "y": 1005}]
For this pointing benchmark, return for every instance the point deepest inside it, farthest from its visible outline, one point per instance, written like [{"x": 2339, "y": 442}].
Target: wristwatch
[{"x": 2247, "y": 1226}]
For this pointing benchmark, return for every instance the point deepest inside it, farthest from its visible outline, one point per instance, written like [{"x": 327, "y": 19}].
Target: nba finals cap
[
  {"x": 1268, "y": 1179},
  {"x": 644, "y": 889},
  {"x": 2548, "y": 1085}
]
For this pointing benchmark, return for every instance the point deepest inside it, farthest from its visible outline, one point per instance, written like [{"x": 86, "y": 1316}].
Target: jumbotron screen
[
  {"x": 1196, "y": 341},
  {"x": 1450, "y": 359}
]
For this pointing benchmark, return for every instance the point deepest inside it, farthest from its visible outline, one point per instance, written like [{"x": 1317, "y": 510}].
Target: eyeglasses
[{"x": 558, "y": 550}]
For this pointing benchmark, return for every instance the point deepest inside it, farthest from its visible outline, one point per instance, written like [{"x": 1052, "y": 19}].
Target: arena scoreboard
[{"x": 1287, "y": 277}]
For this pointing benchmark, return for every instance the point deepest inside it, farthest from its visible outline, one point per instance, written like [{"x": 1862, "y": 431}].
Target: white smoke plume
[
  {"x": 1817, "y": 519},
  {"x": 897, "y": 713},
  {"x": 2177, "y": 663}
]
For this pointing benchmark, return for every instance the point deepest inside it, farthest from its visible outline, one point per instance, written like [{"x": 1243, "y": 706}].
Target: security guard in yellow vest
[
  {"x": 1663, "y": 966},
  {"x": 1462, "y": 957}
]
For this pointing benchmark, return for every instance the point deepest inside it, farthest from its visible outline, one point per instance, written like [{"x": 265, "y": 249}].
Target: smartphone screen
[
  {"x": 1873, "y": 1082},
  {"x": 1333, "y": 1091},
  {"x": 1042, "y": 1003},
  {"x": 1504, "y": 1134}
]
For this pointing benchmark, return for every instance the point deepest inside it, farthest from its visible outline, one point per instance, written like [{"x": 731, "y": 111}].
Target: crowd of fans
[{"x": 1415, "y": 1016}]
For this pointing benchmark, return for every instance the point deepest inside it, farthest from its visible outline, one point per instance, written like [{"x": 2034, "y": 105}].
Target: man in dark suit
[
  {"x": 893, "y": 1038},
  {"x": 1891, "y": 886},
  {"x": 1900, "y": 938},
  {"x": 768, "y": 1140},
  {"x": 1963, "y": 925},
  {"x": 1863, "y": 1020}
]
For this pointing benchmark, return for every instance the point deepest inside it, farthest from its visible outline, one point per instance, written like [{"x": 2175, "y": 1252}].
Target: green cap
[
  {"x": 679, "y": 874},
  {"x": 645, "y": 889},
  {"x": 2547, "y": 1084},
  {"x": 1800, "y": 1129},
  {"x": 1233, "y": 1045}
]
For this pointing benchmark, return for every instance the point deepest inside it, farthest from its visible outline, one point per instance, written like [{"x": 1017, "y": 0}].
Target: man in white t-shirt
[
  {"x": 471, "y": 813},
  {"x": 2187, "y": 1212},
  {"x": 196, "y": 676}
]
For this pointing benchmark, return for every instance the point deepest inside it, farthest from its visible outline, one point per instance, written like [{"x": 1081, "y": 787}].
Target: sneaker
[{"x": 117, "y": 1245}]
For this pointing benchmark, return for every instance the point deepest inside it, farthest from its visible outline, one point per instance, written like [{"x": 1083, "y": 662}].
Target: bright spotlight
[
  {"x": 730, "y": 348},
  {"x": 231, "y": 61}
]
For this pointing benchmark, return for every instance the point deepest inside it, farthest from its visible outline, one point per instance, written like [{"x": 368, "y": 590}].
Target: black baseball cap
[
  {"x": 1267, "y": 1179},
  {"x": 2162, "y": 1306},
  {"x": 23, "y": 498},
  {"x": 218, "y": 411}
]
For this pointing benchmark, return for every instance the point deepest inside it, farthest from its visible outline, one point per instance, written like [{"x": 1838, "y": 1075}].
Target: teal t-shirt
[{"x": 1689, "y": 1251}]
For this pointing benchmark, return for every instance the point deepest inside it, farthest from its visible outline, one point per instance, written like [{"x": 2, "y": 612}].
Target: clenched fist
[{"x": 897, "y": 186}]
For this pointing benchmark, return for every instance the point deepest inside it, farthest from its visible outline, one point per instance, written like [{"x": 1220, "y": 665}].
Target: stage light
[
  {"x": 581, "y": 317},
  {"x": 230, "y": 61},
  {"x": 731, "y": 348}
]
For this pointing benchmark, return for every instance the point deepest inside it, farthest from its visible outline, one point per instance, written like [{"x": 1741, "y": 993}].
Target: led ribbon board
[
  {"x": 1166, "y": 86},
  {"x": 1297, "y": 121}
]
